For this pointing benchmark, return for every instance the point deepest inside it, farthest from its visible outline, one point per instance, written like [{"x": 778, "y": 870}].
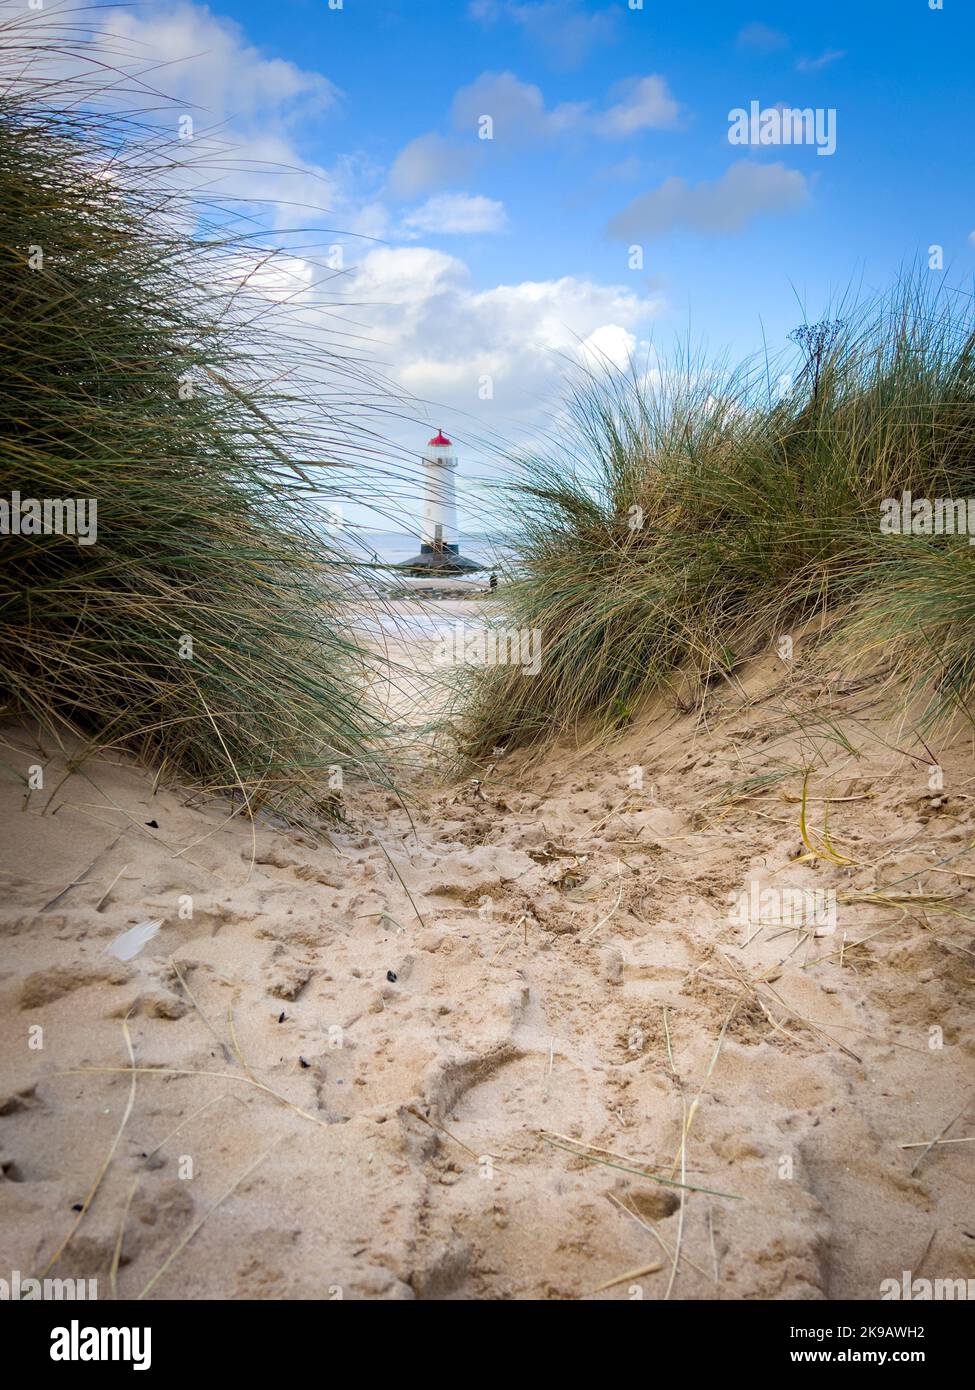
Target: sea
[{"x": 393, "y": 547}]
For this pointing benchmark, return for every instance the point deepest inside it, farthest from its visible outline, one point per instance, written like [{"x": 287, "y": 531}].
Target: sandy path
[{"x": 575, "y": 981}]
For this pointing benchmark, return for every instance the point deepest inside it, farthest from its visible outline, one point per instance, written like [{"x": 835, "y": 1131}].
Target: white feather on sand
[{"x": 131, "y": 942}]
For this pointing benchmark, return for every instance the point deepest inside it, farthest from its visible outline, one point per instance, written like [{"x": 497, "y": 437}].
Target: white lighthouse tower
[
  {"x": 439, "y": 527},
  {"x": 439, "y": 543}
]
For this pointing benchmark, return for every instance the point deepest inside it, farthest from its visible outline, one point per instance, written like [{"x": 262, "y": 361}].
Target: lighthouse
[{"x": 439, "y": 545}]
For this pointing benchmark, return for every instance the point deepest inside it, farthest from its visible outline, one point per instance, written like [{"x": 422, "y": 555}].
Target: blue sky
[
  {"x": 474, "y": 259},
  {"x": 898, "y": 74}
]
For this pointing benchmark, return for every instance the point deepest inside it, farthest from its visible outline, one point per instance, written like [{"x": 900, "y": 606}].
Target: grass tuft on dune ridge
[
  {"x": 206, "y": 630},
  {"x": 685, "y": 518}
]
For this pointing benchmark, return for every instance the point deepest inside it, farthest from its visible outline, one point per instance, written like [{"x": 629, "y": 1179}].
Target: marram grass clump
[
  {"x": 685, "y": 518},
  {"x": 206, "y": 627}
]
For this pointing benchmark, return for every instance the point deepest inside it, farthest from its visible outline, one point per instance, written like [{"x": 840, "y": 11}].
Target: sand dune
[{"x": 477, "y": 1088}]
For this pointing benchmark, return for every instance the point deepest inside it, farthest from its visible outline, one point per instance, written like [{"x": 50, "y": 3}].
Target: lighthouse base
[{"x": 442, "y": 559}]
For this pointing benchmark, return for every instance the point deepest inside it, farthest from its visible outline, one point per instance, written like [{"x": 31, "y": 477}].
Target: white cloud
[
  {"x": 248, "y": 111},
  {"x": 760, "y": 38},
  {"x": 609, "y": 346},
  {"x": 428, "y": 162},
  {"x": 520, "y": 116},
  {"x": 281, "y": 277},
  {"x": 455, "y": 214},
  {"x": 516, "y": 108},
  {"x": 566, "y": 31},
  {"x": 440, "y": 335},
  {"x": 743, "y": 192},
  {"x": 645, "y": 104},
  {"x": 831, "y": 55},
  {"x": 208, "y": 62}
]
